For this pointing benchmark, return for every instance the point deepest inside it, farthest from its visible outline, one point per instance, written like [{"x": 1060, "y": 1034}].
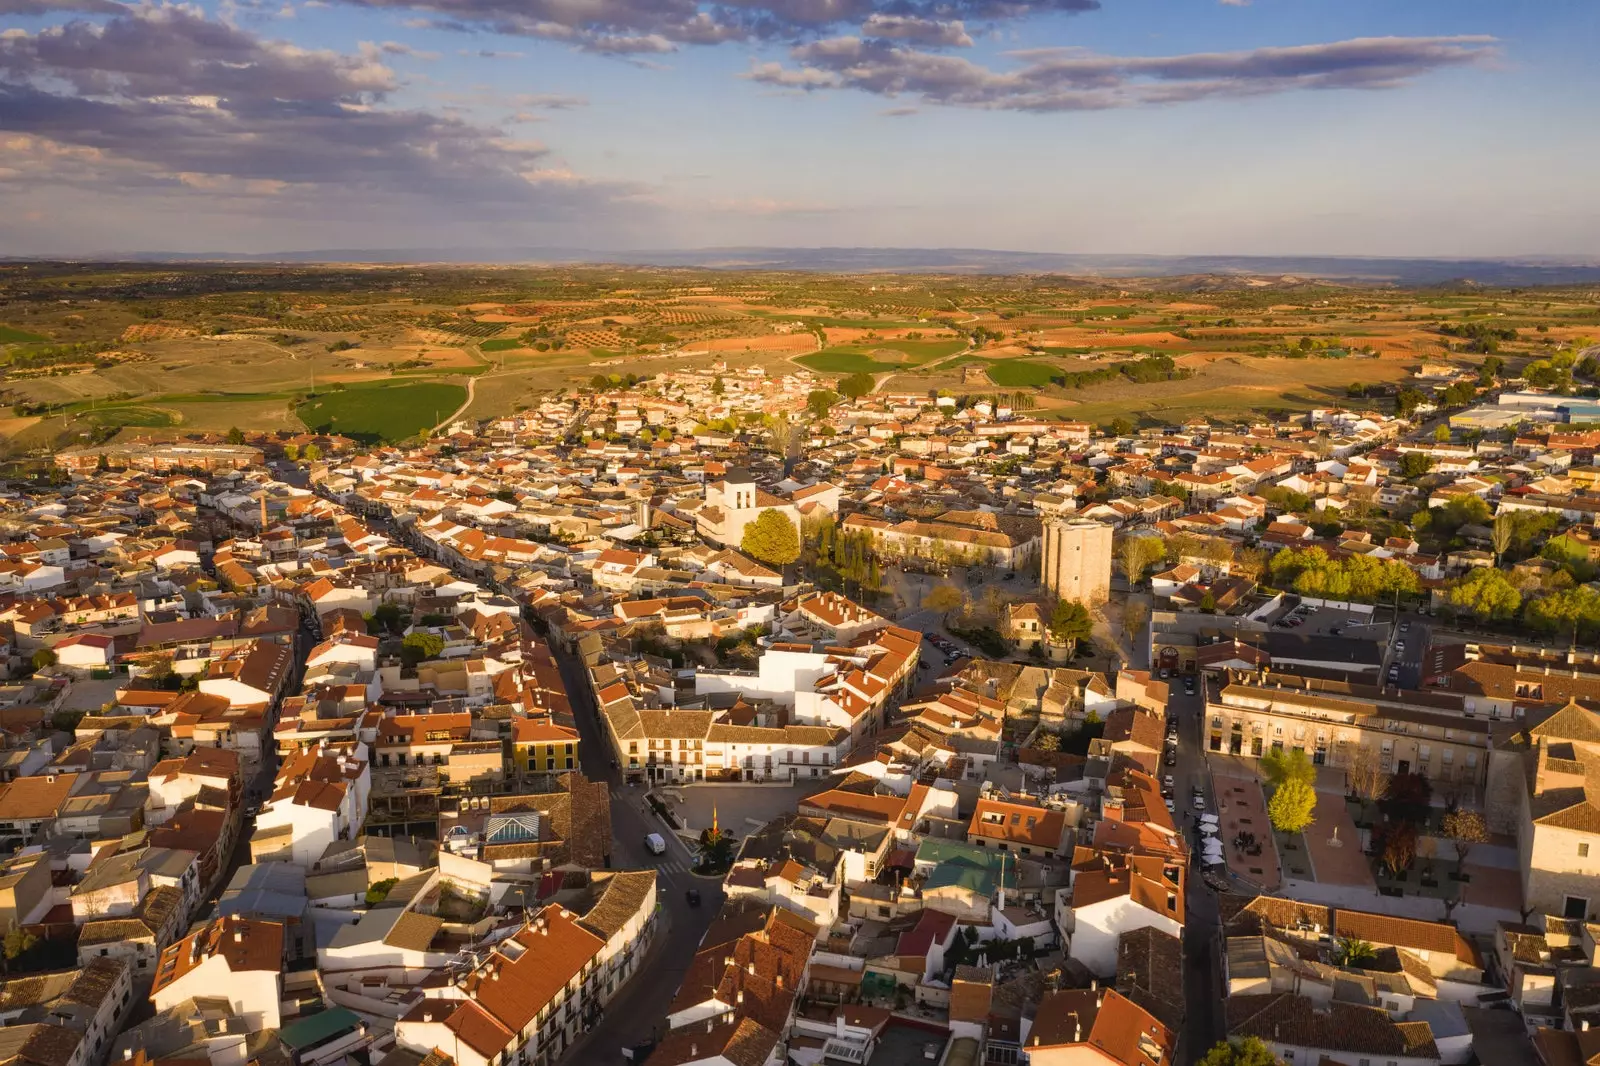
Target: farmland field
[
  {"x": 501, "y": 344},
  {"x": 8, "y": 335},
  {"x": 382, "y": 412},
  {"x": 1017, "y": 373}
]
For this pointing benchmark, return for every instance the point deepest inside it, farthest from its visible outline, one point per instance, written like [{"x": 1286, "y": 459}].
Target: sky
[{"x": 1211, "y": 127}]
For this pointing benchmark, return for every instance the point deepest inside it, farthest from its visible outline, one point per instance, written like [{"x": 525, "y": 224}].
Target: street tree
[
  {"x": 1249, "y": 1051},
  {"x": 1281, "y": 765},
  {"x": 944, "y": 599},
  {"x": 1464, "y": 829},
  {"x": 1138, "y": 555},
  {"x": 1292, "y": 807}
]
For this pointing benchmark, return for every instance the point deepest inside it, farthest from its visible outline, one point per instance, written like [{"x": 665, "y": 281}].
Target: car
[
  {"x": 1172, "y": 808},
  {"x": 1399, "y": 645},
  {"x": 1166, "y": 782},
  {"x": 1188, "y": 686},
  {"x": 1335, "y": 631},
  {"x": 655, "y": 843},
  {"x": 1405, "y": 627},
  {"x": 1199, "y": 803},
  {"x": 1172, "y": 758},
  {"x": 693, "y": 897},
  {"x": 1165, "y": 673}
]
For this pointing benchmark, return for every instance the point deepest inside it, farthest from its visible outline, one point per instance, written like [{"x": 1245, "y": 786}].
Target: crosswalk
[{"x": 673, "y": 867}]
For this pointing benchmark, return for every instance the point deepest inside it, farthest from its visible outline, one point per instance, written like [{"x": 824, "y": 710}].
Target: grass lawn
[
  {"x": 502, "y": 344},
  {"x": 11, "y": 335},
  {"x": 861, "y": 357},
  {"x": 1018, "y": 373},
  {"x": 382, "y": 412}
]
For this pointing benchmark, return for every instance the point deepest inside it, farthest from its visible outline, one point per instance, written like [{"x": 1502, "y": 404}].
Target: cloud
[
  {"x": 164, "y": 96},
  {"x": 930, "y": 32},
  {"x": 55, "y": 7},
  {"x": 768, "y": 208},
  {"x": 1063, "y": 79},
  {"x": 1234, "y": 3},
  {"x": 632, "y": 27}
]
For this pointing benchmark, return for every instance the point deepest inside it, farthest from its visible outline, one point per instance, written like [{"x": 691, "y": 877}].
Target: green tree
[
  {"x": 43, "y": 659},
  {"x": 378, "y": 891},
  {"x": 1138, "y": 555},
  {"x": 1292, "y": 806},
  {"x": 1282, "y": 765},
  {"x": 235, "y": 435},
  {"x": 944, "y": 599},
  {"x": 421, "y": 646},
  {"x": 1571, "y": 612},
  {"x": 1441, "y": 433},
  {"x": 387, "y": 617},
  {"x": 772, "y": 539},
  {"x": 820, "y": 401},
  {"x": 313, "y": 453},
  {"x": 1120, "y": 427},
  {"x": 1353, "y": 951},
  {"x": 1415, "y": 464},
  {"x": 1249, "y": 1051},
  {"x": 1501, "y": 534},
  {"x": 291, "y": 452},
  {"x": 856, "y": 385},
  {"x": 1486, "y": 593},
  {"x": 1070, "y": 623},
  {"x": 18, "y": 942}
]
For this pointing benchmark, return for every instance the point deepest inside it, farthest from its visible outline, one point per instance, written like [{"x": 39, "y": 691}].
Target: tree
[
  {"x": 1353, "y": 951},
  {"x": 1399, "y": 847},
  {"x": 717, "y": 387},
  {"x": 772, "y": 539},
  {"x": 1569, "y": 611},
  {"x": 1292, "y": 806},
  {"x": 1047, "y": 742},
  {"x": 421, "y": 646},
  {"x": 1139, "y": 554},
  {"x": 1135, "y": 613},
  {"x": 1070, "y": 623},
  {"x": 856, "y": 385},
  {"x": 716, "y": 849},
  {"x": 378, "y": 891},
  {"x": 1415, "y": 464},
  {"x": 1120, "y": 427},
  {"x": 1282, "y": 765},
  {"x": 1247, "y": 1052},
  {"x": 820, "y": 401},
  {"x": 313, "y": 452},
  {"x": 18, "y": 942},
  {"x": 944, "y": 599},
  {"x": 235, "y": 435},
  {"x": 1501, "y": 534},
  {"x": 1366, "y": 774},
  {"x": 1441, "y": 433},
  {"x": 1464, "y": 829},
  {"x": 291, "y": 452},
  {"x": 43, "y": 659},
  {"x": 1486, "y": 593},
  {"x": 1407, "y": 798},
  {"x": 387, "y": 617}
]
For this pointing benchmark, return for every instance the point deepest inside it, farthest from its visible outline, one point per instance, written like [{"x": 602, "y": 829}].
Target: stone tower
[{"x": 1076, "y": 561}]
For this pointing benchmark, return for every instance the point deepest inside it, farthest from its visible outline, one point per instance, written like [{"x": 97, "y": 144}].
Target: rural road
[{"x": 472, "y": 383}]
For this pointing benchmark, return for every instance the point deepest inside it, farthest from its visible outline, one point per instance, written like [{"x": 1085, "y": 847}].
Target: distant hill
[{"x": 1201, "y": 270}]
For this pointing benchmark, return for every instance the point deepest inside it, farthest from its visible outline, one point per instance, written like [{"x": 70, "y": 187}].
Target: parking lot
[{"x": 1325, "y": 621}]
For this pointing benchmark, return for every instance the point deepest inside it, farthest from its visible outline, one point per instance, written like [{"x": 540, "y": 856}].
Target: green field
[
  {"x": 9, "y": 335},
  {"x": 503, "y": 344},
  {"x": 1017, "y": 373},
  {"x": 859, "y": 358},
  {"x": 382, "y": 412}
]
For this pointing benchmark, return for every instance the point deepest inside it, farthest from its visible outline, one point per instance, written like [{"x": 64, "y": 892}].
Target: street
[
  {"x": 1202, "y": 951},
  {"x": 639, "y": 1010}
]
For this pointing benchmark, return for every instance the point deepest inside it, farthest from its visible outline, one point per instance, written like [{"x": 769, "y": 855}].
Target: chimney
[
  {"x": 838, "y": 1025},
  {"x": 427, "y": 1016},
  {"x": 127, "y": 1054},
  {"x": 238, "y": 936},
  {"x": 222, "y": 1025},
  {"x": 1077, "y": 1030},
  {"x": 711, "y": 1025}
]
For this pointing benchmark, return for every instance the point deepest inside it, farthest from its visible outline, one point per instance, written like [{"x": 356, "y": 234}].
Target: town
[{"x": 714, "y": 717}]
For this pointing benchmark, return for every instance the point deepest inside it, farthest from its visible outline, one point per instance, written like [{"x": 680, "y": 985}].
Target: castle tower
[{"x": 1076, "y": 561}]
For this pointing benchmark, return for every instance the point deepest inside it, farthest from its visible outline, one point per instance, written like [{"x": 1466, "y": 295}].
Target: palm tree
[
  {"x": 1352, "y": 951},
  {"x": 716, "y": 849}
]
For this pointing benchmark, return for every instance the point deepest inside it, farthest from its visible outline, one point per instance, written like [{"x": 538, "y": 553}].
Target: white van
[{"x": 656, "y": 845}]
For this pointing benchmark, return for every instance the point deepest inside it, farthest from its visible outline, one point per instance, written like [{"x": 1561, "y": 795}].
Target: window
[{"x": 1583, "y": 851}]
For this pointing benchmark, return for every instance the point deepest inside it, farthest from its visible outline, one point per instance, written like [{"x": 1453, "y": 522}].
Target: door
[{"x": 1577, "y": 907}]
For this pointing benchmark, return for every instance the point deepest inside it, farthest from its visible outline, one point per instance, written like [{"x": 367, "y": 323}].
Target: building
[
  {"x": 237, "y": 957},
  {"x": 1076, "y": 564}
]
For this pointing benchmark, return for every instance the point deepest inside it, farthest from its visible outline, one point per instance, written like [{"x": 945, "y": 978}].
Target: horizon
[{"x": 1262, "y": 127}]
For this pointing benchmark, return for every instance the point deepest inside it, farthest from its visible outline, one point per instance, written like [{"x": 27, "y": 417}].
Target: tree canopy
[
  {"x": 1247, "y": 1052},
  {"x": 1486, "y": 593},
  {"x": 1070, "y": 623},
  {"x": 1292, "y": 806},
  {"x": 772, "y": 539},
  {"x": 1282, "y": 765}
]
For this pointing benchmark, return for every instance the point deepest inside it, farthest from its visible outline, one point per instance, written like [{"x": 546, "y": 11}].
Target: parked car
[
  {"x": 1166, "y": 782},
  {"x": 1405, "y": 627},
  {"x": 693, "y": 897},
  {"x": 1199, "y": 803},
  {"x": 1172, "y": 757}
]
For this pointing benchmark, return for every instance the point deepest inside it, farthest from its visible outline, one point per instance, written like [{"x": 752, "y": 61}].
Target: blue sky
[{"x": 1428, "y": 127}]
